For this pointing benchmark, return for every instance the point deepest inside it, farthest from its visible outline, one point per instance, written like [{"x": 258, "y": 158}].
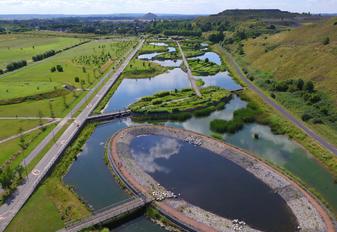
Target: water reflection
[{"x": 212, "y": 57}]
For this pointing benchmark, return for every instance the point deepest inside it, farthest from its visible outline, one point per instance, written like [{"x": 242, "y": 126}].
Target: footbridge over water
[
  {"x": 108, "y": 214},
  {"x": 109, "y": 116}
]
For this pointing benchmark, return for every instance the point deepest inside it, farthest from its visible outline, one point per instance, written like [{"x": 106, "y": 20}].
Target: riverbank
[{"x": 310, "y": 215}]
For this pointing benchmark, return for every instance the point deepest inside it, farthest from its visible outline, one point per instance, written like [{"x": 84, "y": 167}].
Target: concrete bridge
[
  {"x": 107, "y": 214},
  {"x": 109, "y": 116}
]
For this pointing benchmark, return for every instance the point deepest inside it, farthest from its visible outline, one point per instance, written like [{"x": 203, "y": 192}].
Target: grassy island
[
  {"x": 168, "y": 56},
  {"x": 180, "y": 105},
  {"x": 149, "y": 48},
  {"x": 143, "y": 69},
  {"x": 204, "y": 68}
]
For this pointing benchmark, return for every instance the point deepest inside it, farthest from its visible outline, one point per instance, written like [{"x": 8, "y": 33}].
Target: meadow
[{"x": 14, "y": 47}]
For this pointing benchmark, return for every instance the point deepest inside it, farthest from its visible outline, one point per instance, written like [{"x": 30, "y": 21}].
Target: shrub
[
  {"x": 43, "y": 55},
  {"x": 16, "y": 65},
  {"x": 309, "y": 86},
  {"x": 59, "y": 68},
  {"x": 326, "y": 41},
  {"x": 306, "y": 117},
  {"x": 1, "y": 71},
  {"x": 77, "y": 79},
  {"x": 53, "y": 69},
  {"x": 273, "y": 95}
]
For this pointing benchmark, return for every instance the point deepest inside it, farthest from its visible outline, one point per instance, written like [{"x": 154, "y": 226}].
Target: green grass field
[
  {"x": 84, "y": 62},
  {"x": 149, "y": 48},
  {"x": 16, "y": 47},
  {"x": 11, "y": 127}
]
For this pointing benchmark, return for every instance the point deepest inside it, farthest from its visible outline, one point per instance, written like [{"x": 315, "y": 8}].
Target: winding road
[
  {"x": 279, "y": 108},
  {"x": 12, "y": 206}
]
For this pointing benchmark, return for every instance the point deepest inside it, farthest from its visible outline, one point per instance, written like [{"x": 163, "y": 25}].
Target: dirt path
[{"x": 189, "y": 72}]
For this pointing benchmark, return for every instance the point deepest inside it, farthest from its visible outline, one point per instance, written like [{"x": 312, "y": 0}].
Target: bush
[
  {"x": 43, "y": 55},
  {"x": 53, "y": 69},
  {"x": 59, "y": 68},
  {"x": 77, "y": 79},
  {"x": 16, "y": 65},
  {"x": 306, "y": 117},
  {"x": 326, "y": 41},
  {"x": 1, "y": 71}
]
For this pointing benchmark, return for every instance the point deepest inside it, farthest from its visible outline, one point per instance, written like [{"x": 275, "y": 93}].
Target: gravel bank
[{"x": 307, "y": 211}]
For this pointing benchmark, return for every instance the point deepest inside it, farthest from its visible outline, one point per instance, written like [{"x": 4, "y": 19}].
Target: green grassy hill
[{"x": 300, "y": 53}]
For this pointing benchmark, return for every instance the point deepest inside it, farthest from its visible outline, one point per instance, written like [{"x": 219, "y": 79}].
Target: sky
[{"x": 159, "y": 6}]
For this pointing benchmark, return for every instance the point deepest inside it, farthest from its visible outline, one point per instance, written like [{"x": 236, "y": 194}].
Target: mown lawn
[
  {"x": 83, "y": 62},
  {"x": 14, "y": 47},
  {"x": 38, "y": 214},
  {"x": 11, "y": 127}
]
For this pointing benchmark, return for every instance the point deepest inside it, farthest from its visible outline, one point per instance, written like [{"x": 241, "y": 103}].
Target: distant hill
[
  {"x": 269, "y": 16},
  {"x": 150, "y": 16},
  {"x": 256, "y": 14}
]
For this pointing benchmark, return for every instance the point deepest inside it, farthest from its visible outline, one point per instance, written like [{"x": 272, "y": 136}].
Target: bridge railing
[{"x": 98, "y": 212}]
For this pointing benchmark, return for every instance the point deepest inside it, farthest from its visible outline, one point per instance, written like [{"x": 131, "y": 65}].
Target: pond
[
  {"x": 221, "y": 186},
  {"x": 221, "y": 79},
  {"x": 160, "y": 44},
  {"x": 212, "y": 57},
  {"x": 149, "y": 56},
  {"x": 130, "y": 90},
  {"x": 168, "y": 63}
]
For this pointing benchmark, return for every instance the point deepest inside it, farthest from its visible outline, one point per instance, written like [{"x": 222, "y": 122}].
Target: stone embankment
[{"x": 310, "y": 215}]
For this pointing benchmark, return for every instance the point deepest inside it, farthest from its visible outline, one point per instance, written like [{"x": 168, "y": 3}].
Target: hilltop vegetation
[{"x": 306, "y": 54}]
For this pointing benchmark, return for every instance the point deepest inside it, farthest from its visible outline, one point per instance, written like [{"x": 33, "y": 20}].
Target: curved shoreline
[{"x": 309, "y": 213}]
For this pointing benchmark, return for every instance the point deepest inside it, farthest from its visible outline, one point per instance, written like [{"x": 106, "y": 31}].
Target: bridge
[
  {"x": 108, "y": 214},
  {"x": 109, "y": 116}
]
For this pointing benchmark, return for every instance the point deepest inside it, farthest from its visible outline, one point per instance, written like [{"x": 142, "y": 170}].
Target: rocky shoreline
[{"x": 307, "y": 212}]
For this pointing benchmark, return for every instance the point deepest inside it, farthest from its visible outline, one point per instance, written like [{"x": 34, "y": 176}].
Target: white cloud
[
  {"x": 164, "y": 149},
  {"x": 157, "y": 6}
]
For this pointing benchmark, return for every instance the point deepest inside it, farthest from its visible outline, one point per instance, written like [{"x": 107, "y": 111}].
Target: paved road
[
  {"x": 27, "y": 131},
  {"x": 11, "y": 207},
  {"x": 280, "y": 109},
  {"x": 189, "y": 72}
]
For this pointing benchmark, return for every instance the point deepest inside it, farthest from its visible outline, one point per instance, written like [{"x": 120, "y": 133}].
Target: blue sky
[{"x": 159, "y": 6}]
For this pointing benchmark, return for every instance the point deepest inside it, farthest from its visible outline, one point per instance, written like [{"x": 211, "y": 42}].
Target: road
[
  {"x": 12, "y": 206},
  {"x": 27, "y": 131},
  {"x": 280, "y": 109},
  {"x": 189, "y": 72}
]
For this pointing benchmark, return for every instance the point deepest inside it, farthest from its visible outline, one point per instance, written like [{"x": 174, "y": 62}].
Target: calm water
[
  {"x": 212, "y": 56},
  {"x": 160, "y": 44},
  {"x": 168, "y": 63},
  {"x": 221, "y": 186},
  {"x": 148, "y": 56},
  {"x": 221, "y": 79},
  {"x": 89, "y": 175},
  {"x": 138, "y": 224},
  {"x": 130, "y": 90}
]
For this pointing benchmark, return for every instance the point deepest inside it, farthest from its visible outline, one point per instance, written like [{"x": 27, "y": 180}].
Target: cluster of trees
[
  {"x": 216, "y": 37},
  {"x": 43, "y": 55},
  {"x": 58, "y": 68},
  {"x": 10, "y": 178},
  {"x": 319, "y": 108},
  {"x": 16, "y": 65}
]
